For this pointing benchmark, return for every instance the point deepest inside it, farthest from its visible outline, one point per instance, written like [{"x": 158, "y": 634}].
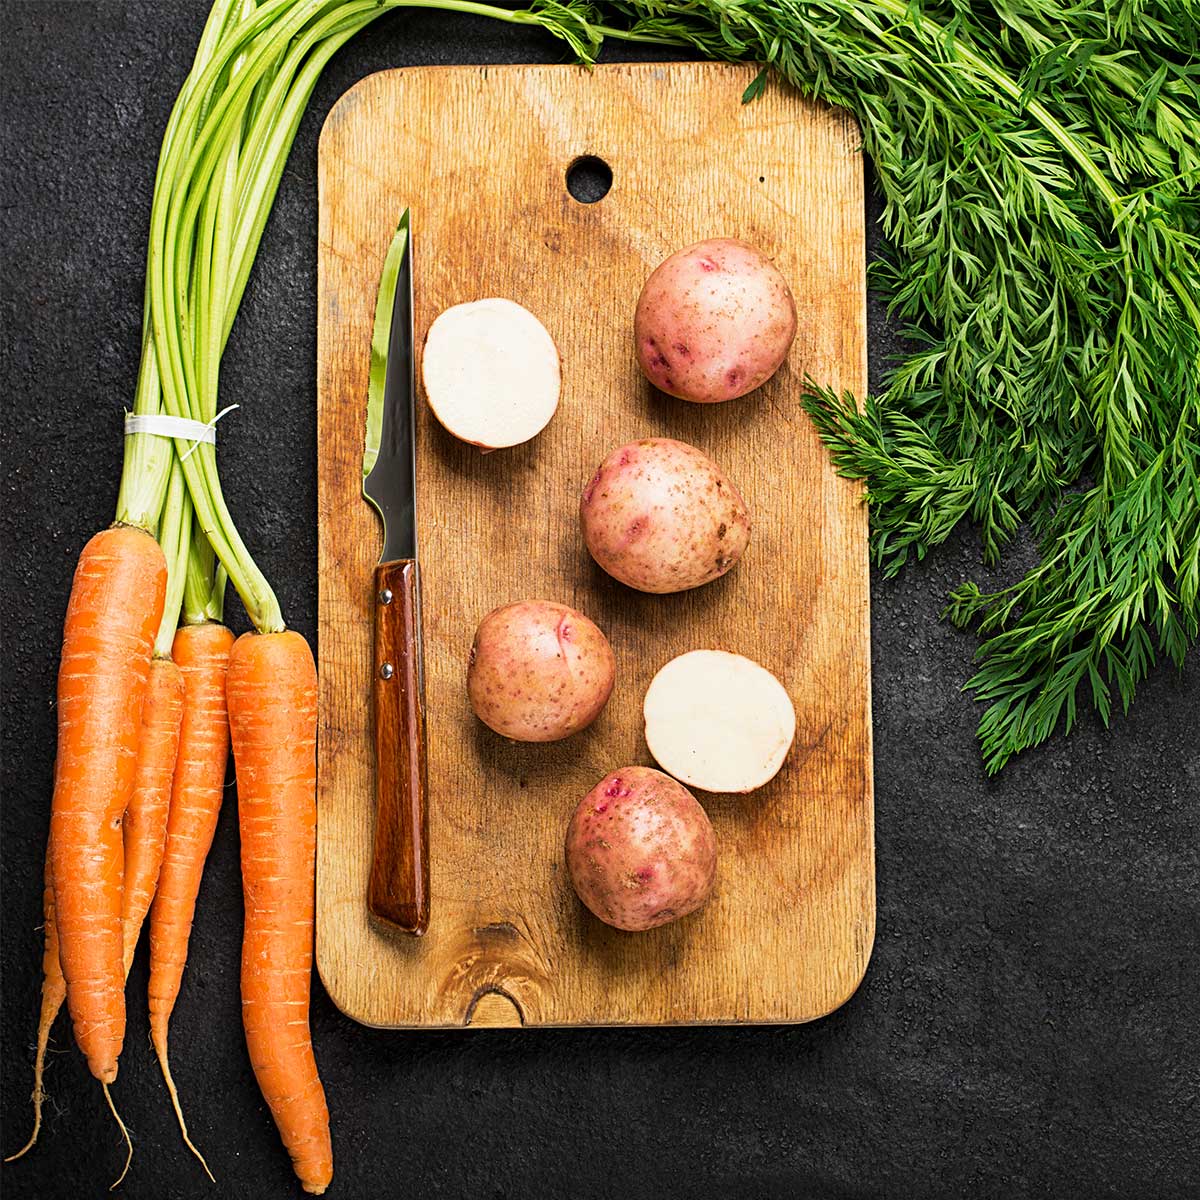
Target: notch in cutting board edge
[{"x": 494, "y": 1008}]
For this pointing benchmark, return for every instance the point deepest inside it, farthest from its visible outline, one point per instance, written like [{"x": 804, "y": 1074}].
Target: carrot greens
[{"x": 1039, "y": 164}]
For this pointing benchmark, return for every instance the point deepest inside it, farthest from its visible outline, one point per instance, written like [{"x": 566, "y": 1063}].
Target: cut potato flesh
[
  {"x": 491, "y": 373},
  {"x": 718, "y": 721}
]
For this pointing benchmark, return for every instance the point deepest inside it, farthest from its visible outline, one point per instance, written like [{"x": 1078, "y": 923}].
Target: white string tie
[{"x": 199, "y": 433}]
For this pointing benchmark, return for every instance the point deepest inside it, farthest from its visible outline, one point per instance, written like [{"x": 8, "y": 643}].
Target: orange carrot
[
  {"x": 202, "y": 653},
  {"x": 115, "y": 607},
  {"x": 145, "y": 828},
  {"x": 54, "y": 992},
  {"x": 272, "y": 688}
]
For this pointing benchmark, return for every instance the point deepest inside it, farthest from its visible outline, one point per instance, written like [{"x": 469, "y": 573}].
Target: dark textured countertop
[{"x": 1028, "y": 1023}]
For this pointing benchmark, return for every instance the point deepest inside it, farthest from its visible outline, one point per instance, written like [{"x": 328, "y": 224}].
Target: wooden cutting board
[{"x": 481, "y": 154}]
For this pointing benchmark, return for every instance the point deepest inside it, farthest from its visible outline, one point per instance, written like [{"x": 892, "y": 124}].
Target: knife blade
[{"x": 398, "y": 884}]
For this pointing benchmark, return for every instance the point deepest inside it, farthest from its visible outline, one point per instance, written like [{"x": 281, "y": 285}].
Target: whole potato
[
  {"x": 714, "y": 321},
  {"x": 640, "y": 850},
  {"x": 539, "y": 671},
  {"x": 661, "y": 516}
]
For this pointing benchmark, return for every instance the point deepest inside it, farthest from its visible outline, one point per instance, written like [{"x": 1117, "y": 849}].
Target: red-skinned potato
[
  {"x": 640, "y": 850},
  {"x": 539, "y": 671},
  {"x": 661, "y": 516},
  {"x": 713, "y": 322}
]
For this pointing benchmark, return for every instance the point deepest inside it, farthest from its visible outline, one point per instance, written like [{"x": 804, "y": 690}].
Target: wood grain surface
[{"x": 481, "y": 155}]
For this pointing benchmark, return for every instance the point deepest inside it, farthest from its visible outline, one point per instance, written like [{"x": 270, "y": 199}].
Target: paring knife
[{"x": 398, "y": 888}]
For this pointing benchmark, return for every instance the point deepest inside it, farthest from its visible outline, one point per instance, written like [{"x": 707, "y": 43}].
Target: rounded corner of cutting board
[
  {"x": 343, "y": 997},
  {"x": 349, "y": 102},
  {"x": 864, "y": 949}
]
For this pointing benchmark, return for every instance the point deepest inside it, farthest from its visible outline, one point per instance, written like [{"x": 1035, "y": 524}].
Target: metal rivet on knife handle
[
  {"x": 385, "y": 597},
  {"x": 386, "y": 671}
]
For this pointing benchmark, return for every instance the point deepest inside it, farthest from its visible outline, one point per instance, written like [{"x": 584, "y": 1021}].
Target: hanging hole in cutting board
[{"x": 589, "y": 178}]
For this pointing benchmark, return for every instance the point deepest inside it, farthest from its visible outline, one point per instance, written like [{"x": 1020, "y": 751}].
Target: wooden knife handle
[{"x": 398, "y": 889}]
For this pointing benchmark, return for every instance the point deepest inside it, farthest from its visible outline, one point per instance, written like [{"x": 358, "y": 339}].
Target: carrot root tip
[
  {"x": 161, "y": 1049},
  {"x": 33, "y": 1137},
  {"x": 37, "y": 1096},
  {"x": 124, "y": 1133}
]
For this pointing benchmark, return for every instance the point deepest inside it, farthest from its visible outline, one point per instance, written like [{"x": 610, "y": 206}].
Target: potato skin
[
  {"x": 661, "y": 516},
  {"x": 714, "y": 322},
  {"x": 539, "y": 671},
  {"x": 640, "y": 850}
]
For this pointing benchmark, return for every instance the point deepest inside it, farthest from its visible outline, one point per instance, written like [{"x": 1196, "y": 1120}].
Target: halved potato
[
  {"x": 718, "y": 721},
  {"x": 491, "y": 373}
]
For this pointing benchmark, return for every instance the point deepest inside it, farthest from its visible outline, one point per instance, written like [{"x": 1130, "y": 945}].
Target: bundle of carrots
[{"x": 152, "y": 688}]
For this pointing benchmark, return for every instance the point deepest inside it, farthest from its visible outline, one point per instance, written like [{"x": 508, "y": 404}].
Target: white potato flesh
[
  {"x": 491, "y": 373},
  {"x": 718, "y": 721}
]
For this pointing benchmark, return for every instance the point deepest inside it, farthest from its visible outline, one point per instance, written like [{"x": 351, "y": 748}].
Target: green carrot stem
[
  {"x": 257, "y": 190},
  {"x": 171, "y": 225},
  {"x": 204, "y": 582},
  {"x": 546, "y": 18},
  {"x": 203, "y": 577},
  {"x": 174, "y": 535},
  {"x": 167, "y": 239},
  {"x": 210, "y": 273},
  {"x": 217, "y": 603},
  {"x": 148, "y": 458}
]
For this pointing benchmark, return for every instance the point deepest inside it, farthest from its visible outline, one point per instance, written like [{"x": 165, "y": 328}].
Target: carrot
[
  {"x": 272, "y": 688},
  {"x": 202, "y": 653},
  {"x": 116, "y": 602},
  {"x": 54, "y": 992},
  {"x": 145, "y": 829},
  {"x": 158, "y": 745}
]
